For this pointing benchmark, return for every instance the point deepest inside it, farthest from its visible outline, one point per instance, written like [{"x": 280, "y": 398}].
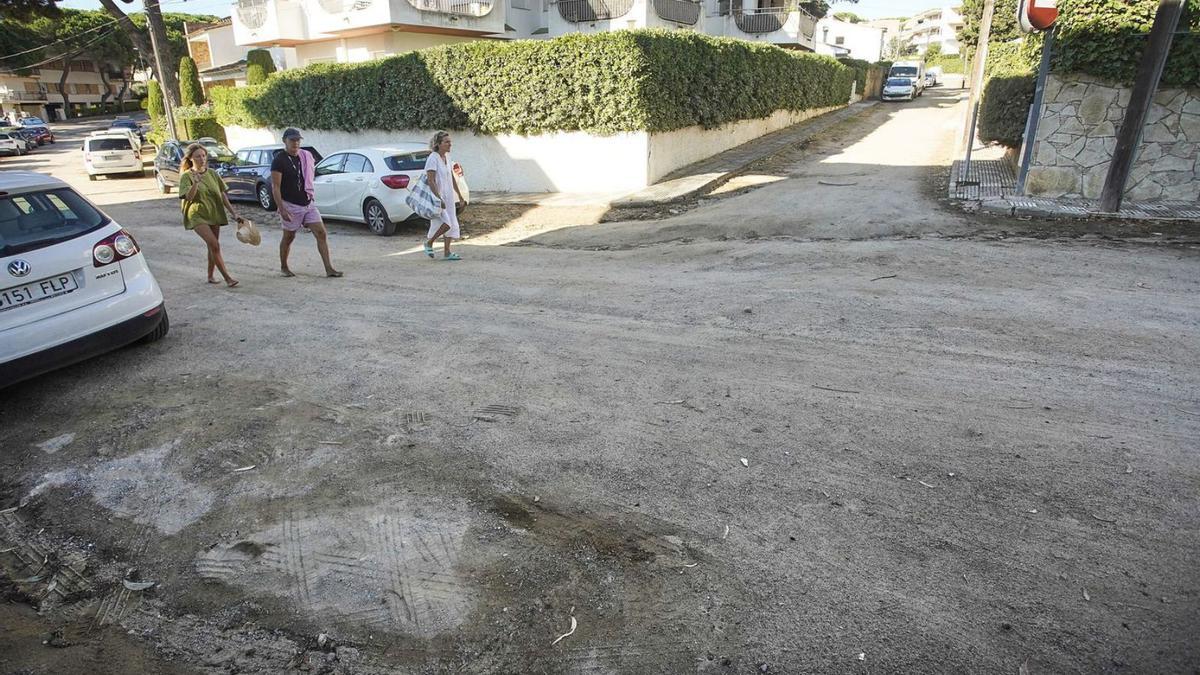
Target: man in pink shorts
[{"x": 292, "y": 185}]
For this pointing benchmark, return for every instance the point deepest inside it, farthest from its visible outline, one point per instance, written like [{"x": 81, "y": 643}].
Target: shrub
[
  {"x": 198, "y": 121},
  {"x": 949, "y": 63},
  {"x": 1005, "y": 107},
  {"x": 154, "y": 100},
  {"x": 1106, "y": 38},
  {"x": 259, "y": 66},
  {"x": 602, "y": 83},
  {"x": 190, "y": 91},
  {"x": 1015, "y": 57}
]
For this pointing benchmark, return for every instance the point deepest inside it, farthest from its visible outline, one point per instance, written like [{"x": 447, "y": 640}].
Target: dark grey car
[{"x": 248, "y": 176}]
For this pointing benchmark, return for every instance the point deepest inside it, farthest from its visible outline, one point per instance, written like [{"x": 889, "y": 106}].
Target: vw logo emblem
[{"x": 18, "y": 268}]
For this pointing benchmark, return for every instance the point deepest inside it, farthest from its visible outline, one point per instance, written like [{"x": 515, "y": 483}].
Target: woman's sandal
[
  {"x": 429, "y": 250},
  {"x": 453, "y": 256}
]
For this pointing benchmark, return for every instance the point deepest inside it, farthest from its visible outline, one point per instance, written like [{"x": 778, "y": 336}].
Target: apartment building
[
  {"x": 220, "y": 60},
  {"x": 851, "y": 40},
  {"x": 348, "y": 31},
  {"x": 37, "y": 92},
  {"x": 934, "y": 26}
]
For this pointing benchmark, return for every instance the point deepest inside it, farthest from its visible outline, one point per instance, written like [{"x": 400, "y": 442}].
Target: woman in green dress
[{"x": 203, "y": 199}]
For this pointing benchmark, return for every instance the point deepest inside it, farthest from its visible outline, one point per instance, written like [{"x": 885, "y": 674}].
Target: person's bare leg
[
  {"x": 443, "y": 229},
  {"x": 214, "y": 250},
  {"x": 285, "y": 249},
  {"x": 212, "y": 263},
  {"x": 318, "y": 230},
  {"x": 446, "y": 246}
]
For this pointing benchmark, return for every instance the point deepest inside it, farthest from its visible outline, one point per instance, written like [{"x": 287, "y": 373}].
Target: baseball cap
[{"x": 291, "y": 132}]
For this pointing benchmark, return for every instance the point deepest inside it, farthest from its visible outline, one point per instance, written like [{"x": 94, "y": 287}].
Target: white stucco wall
[
  {"x": 864, "y": 42},
  {"x": 558, "y": 162},
  {"x": 672, "y": 150}
]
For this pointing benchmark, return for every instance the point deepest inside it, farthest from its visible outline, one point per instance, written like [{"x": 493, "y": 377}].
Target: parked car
[
  {"x": 126, "y": 123},
  {"x": 910, "y": 70},
  {"x": 369, "y": 185},
  {"x": 12, "y": 144},
  {"x": 898, "y": 89},
  {"x": 44, "y": 135},
  {"x": 248, "y": 175},
  {"x": 930, "y": 80},
  {"x": 170, "y": 154},
  {"x": 23, "y": 136},
  {"x": 73, "y": 283},
  {"x": 105, "y": 154},
  {"x": 121, "y": 132}
]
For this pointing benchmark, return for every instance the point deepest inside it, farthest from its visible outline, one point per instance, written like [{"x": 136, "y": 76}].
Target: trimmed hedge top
[
  {"x": 1106, "y": 38},
  {"x": 604, "y": 83}
]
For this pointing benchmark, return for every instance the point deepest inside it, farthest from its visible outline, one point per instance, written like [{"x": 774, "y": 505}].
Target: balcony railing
[
  {"x": 679, "y": 11},
  {"x": 12, "y": 95},
  {"x": 767, "y": 20},
  {"x": 252, "y": 13},
  {"x": 476, "y": 9},
  {"x": 587, "y": 11}
]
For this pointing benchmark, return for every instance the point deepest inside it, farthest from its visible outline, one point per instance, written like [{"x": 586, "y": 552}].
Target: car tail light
[
  {"x": 397, "y": 182},
  {"x": 114, "y": 248}
]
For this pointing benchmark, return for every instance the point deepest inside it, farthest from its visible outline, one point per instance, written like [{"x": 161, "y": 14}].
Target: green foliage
[
  {"x": 1106, "y": 38},
  {"x": 1016, "y": 57},
  {"x": 602, "y": 83},
  {"x": 200, "y": 127},
  {"x": 1004, "y": 22},
  {"x": 848, "y": 17},
  {"x": 259, "y": 66},
  {"x": 176, "y": 38},
  {"x": 190, "y": 91},
  {"x": 933, "y": 51},
  {"x": 862, "y": 70},
  {"x": 1005, "y": 107},
  {"x": 154, "y": 100},
  {"x": 158, "y": 130},
  {"x": 949, "y": 63}
]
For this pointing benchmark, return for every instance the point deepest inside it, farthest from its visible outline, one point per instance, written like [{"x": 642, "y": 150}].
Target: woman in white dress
[{"x": 441, "y": 182}]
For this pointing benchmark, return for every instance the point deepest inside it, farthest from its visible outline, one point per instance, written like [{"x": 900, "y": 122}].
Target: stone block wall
[{"x": 1078, "y": 132}]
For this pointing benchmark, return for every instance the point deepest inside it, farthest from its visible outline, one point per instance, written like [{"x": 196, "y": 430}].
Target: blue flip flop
[
  {"x": 429, "y": 250},
  {"x": 453, "y": 256}
]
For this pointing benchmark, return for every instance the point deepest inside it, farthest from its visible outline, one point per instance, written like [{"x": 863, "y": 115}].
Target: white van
[
  {"x": 911, "y": 70},
  {"x": 107, "y": 153}
]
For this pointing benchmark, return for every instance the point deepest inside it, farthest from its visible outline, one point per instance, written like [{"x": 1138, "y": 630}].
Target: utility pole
[
  {"x": 160, "y": 71},
  {"x": 1154, "y": 59},
  {"x": 981, "y": 53}
]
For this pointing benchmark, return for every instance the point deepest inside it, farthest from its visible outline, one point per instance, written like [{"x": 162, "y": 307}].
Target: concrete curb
[{"x": 1030, "y": 207}]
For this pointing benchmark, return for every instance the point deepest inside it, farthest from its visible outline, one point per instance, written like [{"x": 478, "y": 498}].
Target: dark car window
[
  {"x": 4, "y": 136},
  {"x": 412, "y": 161},
  {"x": 356, "y": 164},
  {"x": 95, "y": 144},
  {"x": 330, "y": 165},
  {"x": 38, "y": 219}
]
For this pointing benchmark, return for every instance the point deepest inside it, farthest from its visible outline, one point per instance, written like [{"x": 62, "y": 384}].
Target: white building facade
[
  {"x": 934, "y": 26},
  {"x": 852, "y": 40},
  {"x": 220, "y": 59}
]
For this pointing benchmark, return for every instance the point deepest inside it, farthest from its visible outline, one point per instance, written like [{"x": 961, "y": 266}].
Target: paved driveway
[{"x": 806, "y": 429}]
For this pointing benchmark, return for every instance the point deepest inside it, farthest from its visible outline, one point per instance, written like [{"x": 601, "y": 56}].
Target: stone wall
[{"x": 1077, "y": 135}]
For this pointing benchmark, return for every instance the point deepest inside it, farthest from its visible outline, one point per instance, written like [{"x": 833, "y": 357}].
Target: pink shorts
[{"x": 300, "y": 215}]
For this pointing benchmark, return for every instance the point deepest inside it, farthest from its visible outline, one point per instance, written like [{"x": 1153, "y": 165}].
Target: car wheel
[
  {"x": 265, "y": 199},
  {"x": 160, "y": 331},
  {"x": 91, "y": 176},
  {"x": 377, "y": 218}
]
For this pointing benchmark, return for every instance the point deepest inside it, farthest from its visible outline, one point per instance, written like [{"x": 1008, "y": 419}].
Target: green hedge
[
  {"x": 951, "y": 64},
  {"x": 601, "y": 83},
  {"x": 1005, "y": 108},
  {"x": 1106, "y": 38}
]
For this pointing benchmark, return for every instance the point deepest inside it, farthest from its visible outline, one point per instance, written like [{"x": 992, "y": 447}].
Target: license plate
[
  {"x": 36, "y": 291},
  {"x": 112, "y": 157}
]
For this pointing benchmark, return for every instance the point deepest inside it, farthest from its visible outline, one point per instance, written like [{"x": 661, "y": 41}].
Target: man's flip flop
[
  {"x": 429, "y": 250},
  {"x": 453, "y": 256}
]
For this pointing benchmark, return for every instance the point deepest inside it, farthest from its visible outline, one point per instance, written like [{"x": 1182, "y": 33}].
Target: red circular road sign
[{"x": 1037, "y": 15}]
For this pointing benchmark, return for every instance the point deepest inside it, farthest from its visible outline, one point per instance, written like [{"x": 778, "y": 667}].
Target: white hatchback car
[
  {"x": 73, "y": 283},
  {"x": 369, "y": 185},
  {"x": 112, "y": 152}
]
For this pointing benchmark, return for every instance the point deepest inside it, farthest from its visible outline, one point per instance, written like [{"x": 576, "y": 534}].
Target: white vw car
[
  {"x": 368, "y": 185},
  {"x": 73, "y": 283}
]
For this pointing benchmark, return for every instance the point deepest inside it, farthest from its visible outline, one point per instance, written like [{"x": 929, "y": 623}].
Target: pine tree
[
  {"x": 190, "y": 91},
  {"x": 259, "y": 66}
]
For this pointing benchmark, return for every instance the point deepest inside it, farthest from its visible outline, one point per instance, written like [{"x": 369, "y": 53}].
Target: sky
[{"x": 871, "y": 9}]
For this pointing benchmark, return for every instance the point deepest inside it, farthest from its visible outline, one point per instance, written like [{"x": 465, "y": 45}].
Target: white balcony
[
  {"x": 269, "y": 23},
  {"x": 772, "y": 21},
  {"x": 346, "y": 18}
]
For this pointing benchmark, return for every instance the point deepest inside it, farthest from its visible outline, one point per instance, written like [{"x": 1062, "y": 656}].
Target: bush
[
  {"x": 1005, "y": 108},
  {"x": 1106, "y": 38},
  {"x": 951, "y": 64},
  {"x": 154, "y": 100},
  {"x": 259, "y": 66},
  {"x": 190, "y": 91},
  {"x": 1016, "y": 57},
  {"x": 861, "y": 71},
  {"x": 601, "y": 83},
  {"x": 198, "y": 121}
]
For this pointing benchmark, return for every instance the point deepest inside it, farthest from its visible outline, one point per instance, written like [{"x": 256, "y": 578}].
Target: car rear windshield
[
  {"x": 34, "y": 220},
  {"x": 409, "y": 161},
  {"x": 95, "y": 144},
  {"x": 904, "y": 70},
  {"x": 130, "y": 124}
]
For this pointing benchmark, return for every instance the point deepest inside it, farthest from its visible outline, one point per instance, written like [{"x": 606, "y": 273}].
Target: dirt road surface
[{"x": 824, "y": 425}]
